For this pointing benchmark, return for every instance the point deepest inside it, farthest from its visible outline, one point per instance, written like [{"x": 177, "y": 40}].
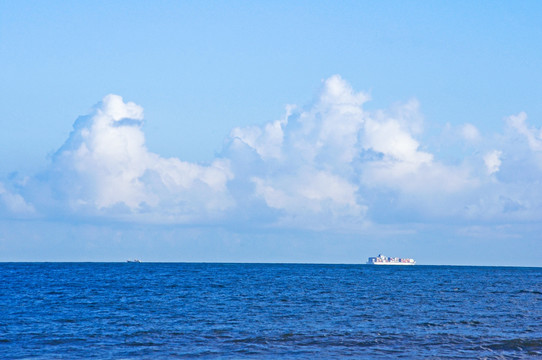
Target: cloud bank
[{"x": 329, "y": 165}]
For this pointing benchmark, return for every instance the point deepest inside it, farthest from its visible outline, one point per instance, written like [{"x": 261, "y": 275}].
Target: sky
[{"x": 308, "y": 131}]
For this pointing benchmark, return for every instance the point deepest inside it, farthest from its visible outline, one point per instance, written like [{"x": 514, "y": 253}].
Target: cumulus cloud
[
  {"x": 329, "y": 165},
  {"x": 332, "y": 156},
  {"x": 105, "y": 165},
  {"x": 302, "y": 165}
]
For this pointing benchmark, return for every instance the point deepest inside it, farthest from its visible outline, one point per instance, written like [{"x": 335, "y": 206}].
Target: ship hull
[{"x": 392, "y": 264}]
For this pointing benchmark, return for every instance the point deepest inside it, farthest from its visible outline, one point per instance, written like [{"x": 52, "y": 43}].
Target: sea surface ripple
[{"x": 191, "y": 310}]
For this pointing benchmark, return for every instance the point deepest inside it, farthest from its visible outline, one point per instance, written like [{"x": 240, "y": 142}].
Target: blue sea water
[{"x": 177, "y": 311}]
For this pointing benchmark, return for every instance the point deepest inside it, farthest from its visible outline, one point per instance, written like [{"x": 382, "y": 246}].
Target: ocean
[{"x": 268, "y": 311}]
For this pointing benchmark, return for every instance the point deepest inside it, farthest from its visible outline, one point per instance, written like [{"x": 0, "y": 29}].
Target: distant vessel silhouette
[{"x": 384, "y": 260}]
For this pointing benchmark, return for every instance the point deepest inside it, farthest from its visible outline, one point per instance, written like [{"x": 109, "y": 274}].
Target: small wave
[
  {"x": 142, "y": 333},
  {"x": 339, "y": 342},
  {"x": 218, "y": 286},
  {"x": 54, "y": 292},
  {"x": 288, "y": 336},
  {"x": 259, "y": 340},
  {"x": 141, "y": 343},
  {"x": 63, "y": 341},
  {"x": 517, "y": 344},
  {"x": 470, "y": 322},
  {"x": 536, "y": 292},
  {"x": 303, "y": 340},
  {"x": 66, "y": 321},
  {"x": 428, "y": 324}
]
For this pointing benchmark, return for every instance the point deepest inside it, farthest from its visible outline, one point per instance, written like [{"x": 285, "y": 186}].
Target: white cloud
[
  {"x": 15, "y": 203},
  {"x": 493, "y": 161},
  {"x": 105, "y": 163},
  {"x": 335, "y": 155},
  {"x": 266, "y": 142},
  {"x": 308, "y": 191},
  {"x": 386, "y": 136},
  {"x": 533, "y": 135},
  {"x": 329, "y": 165},
  {"x": 470, "y": 133},
  {"x": 304, "y": 166}
]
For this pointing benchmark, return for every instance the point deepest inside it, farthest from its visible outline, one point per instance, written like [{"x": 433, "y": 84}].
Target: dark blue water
[{"x": 168, "y": 311}]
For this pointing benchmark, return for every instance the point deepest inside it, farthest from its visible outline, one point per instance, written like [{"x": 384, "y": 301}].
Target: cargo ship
[{"x": 384, "y": 260}]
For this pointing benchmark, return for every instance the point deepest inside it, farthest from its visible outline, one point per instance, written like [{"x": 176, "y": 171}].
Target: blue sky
[{"x": 280, "y": 132}]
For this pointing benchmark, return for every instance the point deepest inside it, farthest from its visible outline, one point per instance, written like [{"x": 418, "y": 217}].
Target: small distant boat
[
  {"x": 384, "y": 260},
  {"x": 134, "y": 261}
]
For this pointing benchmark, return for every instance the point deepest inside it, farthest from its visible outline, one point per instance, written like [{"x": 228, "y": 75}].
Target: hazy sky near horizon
[{"x": 271, "y": 132}]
